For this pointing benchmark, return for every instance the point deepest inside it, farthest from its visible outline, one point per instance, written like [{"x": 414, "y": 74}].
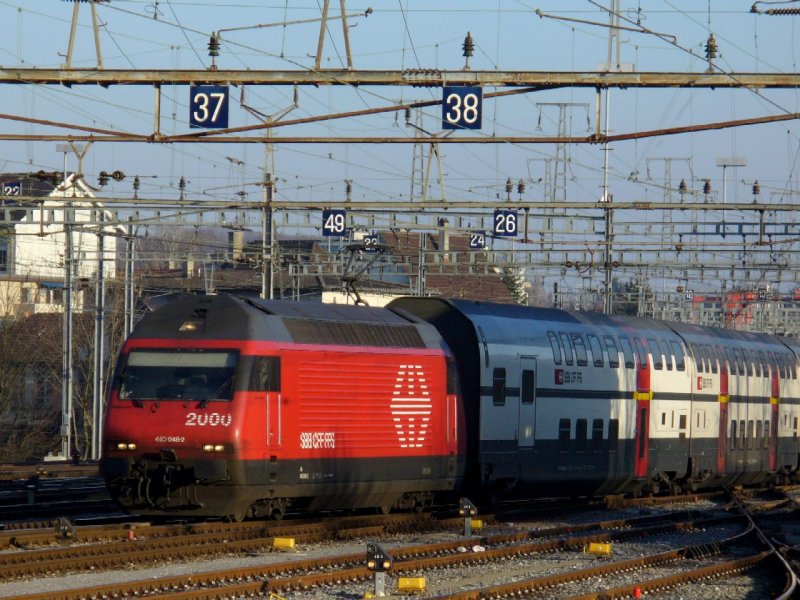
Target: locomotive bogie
[{"x": 311, "y": 424}]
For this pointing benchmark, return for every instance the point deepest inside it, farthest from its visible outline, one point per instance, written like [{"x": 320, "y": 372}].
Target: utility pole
[{"x": 99, "y": 342}]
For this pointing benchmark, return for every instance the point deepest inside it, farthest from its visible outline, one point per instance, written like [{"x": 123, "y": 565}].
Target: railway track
[
  {"x": 712, "y": 544},
  {"x": 300, "y": 575}
]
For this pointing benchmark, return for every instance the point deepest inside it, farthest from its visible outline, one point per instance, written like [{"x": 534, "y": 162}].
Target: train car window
[
  {"x": 597, "y": 434},
  {"x": 795, "y": 427},
  {"x": 555, "y": 346},
  {"x": 748, "y": 363},
  {"x": 581, "y": 430},
  {"x": 792, "y": 365},
  {"x": 732, "y": 366},
  {"x": 627, "y": 352},
  {"x": 265, "y": 375},
  {"x": 773, "y": 362},
  {"x": 596, "y": 348},
  {"x": 712, "y": 358},
  {"x": 677, "y": 351},
  {"x": 613, "y": 433},
  {"x": 613, "y": 352},
  {"x": 741, "y": 434},
  {"x": 765, "y": 442},
  {"x": 655, "y": 352},
  {"x": 641, "y": 352},
  {"x": 667, "y": 355},
  {"x": 756, "y": 363},
  {"x": 699, "y": 361},
  {"x": 580, "y": 349},
  {"x": 682, "y": 426},
  {"x": 750, "y": 436},
  {"x": 782, "y": 365},
  {"x": 567, "y": 343},
  {"x": 528, "y": 386},
  {"x": 720, "y": 355},
  {"x": 759, "y": 434},
  {"x": 733, "y": 435},
  {"x": 762, "y": 359},
  {"x": 563, "y": 431},
  {"x": 499, "y": 386}
]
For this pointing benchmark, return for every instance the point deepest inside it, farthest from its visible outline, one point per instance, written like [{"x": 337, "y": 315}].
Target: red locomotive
[{"x": 234, "y": 407}]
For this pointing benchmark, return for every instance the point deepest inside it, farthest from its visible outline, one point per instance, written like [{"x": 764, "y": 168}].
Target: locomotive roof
[{"x": 223, "y": 316}]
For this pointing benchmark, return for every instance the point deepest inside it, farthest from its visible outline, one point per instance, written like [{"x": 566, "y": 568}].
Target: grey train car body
[{"x": 561, "y": 403}]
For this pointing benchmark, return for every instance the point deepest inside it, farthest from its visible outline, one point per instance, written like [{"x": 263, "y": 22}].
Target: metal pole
[
  {"x": 267, "y": 285},
  {"x": 99, "y": 337},
  {"x": 66, "y": 382}
]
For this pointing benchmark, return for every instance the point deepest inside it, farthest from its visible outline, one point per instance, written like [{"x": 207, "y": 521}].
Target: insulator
[
  {"x": 102, "y": 179},
  {"x": 782, "y": 11},
  {"x": 682, "y": 186},
  {"x": 711, "y": 47},
  {"x": 520, "y": 187},
  {"x": 118, "y": 175},
  {"x": 509, "y": 186},
  {"x": 136, "y": 183},
  {"x": 756, "y": 188},
  {"x": 707, "y": 187},
  {"x": 348, "y": 187},
  {"x": 182, "y": 184},
  {"x": 468, "y": 46},
  {"x": 213, "y": 45}
]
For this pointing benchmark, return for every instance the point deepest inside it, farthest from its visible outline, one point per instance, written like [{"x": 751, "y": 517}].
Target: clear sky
[{"x": 509, "y": 35}]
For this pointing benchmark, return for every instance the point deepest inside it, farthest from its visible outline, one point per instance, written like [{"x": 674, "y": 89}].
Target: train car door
[{"x": 527, "y": 402}]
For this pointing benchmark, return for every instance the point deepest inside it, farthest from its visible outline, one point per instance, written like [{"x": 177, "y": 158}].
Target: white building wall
[{"x": 39, "y": 239}]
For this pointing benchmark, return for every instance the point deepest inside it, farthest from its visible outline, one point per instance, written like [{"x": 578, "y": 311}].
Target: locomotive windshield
[{"x": 202, "y": 375}]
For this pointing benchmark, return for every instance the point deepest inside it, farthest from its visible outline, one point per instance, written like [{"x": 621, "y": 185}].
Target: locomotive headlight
[
  {"x": 191, "y": 326},
  {"x": 126, "y": 446},
  {"x": 213, "y": 448}
]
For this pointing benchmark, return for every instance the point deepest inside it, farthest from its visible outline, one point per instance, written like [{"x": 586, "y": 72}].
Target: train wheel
[{"x": 383, "y": 510}]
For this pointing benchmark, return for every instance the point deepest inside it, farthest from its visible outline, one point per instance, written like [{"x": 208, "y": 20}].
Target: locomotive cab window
[{"x": 203, "y": 375}]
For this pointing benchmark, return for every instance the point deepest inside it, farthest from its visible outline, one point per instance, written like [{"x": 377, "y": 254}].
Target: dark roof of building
[{"x": 38, "y": 185}]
